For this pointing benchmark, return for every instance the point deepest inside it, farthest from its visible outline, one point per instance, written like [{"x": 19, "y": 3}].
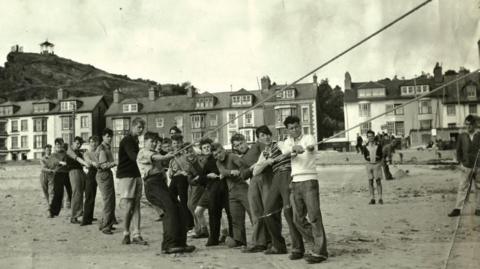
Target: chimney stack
[
  {"x": 61, "y": 94},
  {"x": 437, "y": 73},
  {"x": 348, "y": 81},
  {"x": 266, "y": 83},
  {"x": 190, "y": 91},
  {"x": 315, "y": 79},
  {"x": 116, "y": 96},
  {"x": 478, "y": 44},
  {"x": 152, "y": 94}
]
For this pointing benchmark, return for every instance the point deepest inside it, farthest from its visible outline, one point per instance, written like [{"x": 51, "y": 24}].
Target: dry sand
[{"x": 411, "y": 230}]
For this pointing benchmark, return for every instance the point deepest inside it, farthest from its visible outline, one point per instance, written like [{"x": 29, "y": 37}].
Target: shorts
[
  {"x": 130, "y": 187},
  {"x": 374, "y": 171}
]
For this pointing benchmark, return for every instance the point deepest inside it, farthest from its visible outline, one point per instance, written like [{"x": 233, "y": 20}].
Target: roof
[
  {"x": 26, "y": 107},
  {"x": 304, "y": 91},
  {"x": 179, "y": 103},
  {"x": 46, "y": 43},
  {"x": 449, "y": 95}
]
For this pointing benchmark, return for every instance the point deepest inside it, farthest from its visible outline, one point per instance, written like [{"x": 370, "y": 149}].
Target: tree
[{"x": 330, "y": 110}]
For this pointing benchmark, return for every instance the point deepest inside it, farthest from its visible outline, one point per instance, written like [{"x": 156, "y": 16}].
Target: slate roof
[{"x": 25, "y": 108}]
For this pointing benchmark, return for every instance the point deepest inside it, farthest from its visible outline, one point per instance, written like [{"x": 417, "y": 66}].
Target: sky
[{"x": 222, "y": 45}]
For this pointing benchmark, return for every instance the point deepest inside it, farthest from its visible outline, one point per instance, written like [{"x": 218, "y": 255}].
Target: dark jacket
[
  {"x": 127, "y": 157},
  {"x": 467, "y": 149},
  {"x": 378, "y": 154}
]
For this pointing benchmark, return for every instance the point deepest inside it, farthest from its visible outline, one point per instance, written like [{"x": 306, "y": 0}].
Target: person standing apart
[
  {"x": 372, "y": 152},
  {"x": 305, "y": 189},
  {"x": 468, "y": 145},
  {"x": 130, "y": 183},
  {"x": 105, "y": 183}
]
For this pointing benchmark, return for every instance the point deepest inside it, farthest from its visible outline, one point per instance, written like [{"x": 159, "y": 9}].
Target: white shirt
[{"x": 303, "y": 165}]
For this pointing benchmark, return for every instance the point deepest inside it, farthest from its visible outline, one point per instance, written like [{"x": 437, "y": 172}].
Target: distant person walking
[
  {"x": 372, "y": 152},
  {"x": 468, "y": 145},
  {"x": 359, "y": 144}
]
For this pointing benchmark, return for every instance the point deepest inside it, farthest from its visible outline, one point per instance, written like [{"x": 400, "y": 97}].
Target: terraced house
[
  {"x": 27, "y": 126},
  {"x": 198, "y": 114}
]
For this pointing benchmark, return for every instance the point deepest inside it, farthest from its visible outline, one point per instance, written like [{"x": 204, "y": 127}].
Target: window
[
  {"x": 85, "y": 136},
  {"x": 196, "y": 136},
  {"x": 398, "y": 111},
  {"x": 289, "y": 94},
  {"x": 364, "y": 109},
  {"x": 450, "y": 110},
  {"x": 306, "y": 130},
  {"x": 39, "y": 141},
  {"x": 121, "y": 124},
  {"x": 425, "y": 124},
  {"x": 23, "y": 142},
  {"x": 452, "y": 125},
  {"x": 127, "y": 108},
  {"x": 67, "y": 123},
  {"x": 396, "y": 127},
  {"x": 14, "y": 142},
  {"x": 198, "y": 121},
  {"x": 6, "y": 110},
  {"x": 232, "y": 119},
  {"x": 14, "y": 126},
  {"x": 425, "y": 107},
  {"x": 248, "y": 118},
  {"x": 249, "y": 135},
  {"x": 390, "y": 127},
  {"x": 213, "y": 119},
  {"x": 246, "y": 100},
  {"x": 159, "y": 122},
  {"x": 40, "y": 125},
  {"x": 209, "y": 102},
  {"x": 471, "y": 92},
  {"x": 378, "y": 92},
  {"x": 472, "y": 109},
  {"x": 67, "y": 106},
  {"x": 24, "y": 125},
  {"x": 41, "y": 108},
  {"x": 282, "y": 113},
  {"x": 67, "y": 138},
  {"x": 305, "y": 114},
  {"x": 3, "y": 127},
  {"x": 179, "y": 121},
  {"x": 365, "y": 127},
  {"x": 84, "y": 122},
  {"x": 236, "y": 100}
]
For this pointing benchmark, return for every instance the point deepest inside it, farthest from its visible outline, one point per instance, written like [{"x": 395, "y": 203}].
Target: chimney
[
  {"x": 478, "y": 44},
  {"x": 190, "y": 91},
  {"x": 61, "y": 94},
  {"x": 152, "y": 94},
  {"x": 315, "y": 79},
  {"x": 348, "y": 81},
  {"x": 116, "y": 96},
  {"x": 437, "y": 73},
  {"x": 265, "y": 81}
]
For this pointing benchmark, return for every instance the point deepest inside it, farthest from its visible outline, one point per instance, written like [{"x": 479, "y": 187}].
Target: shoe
[
  {"x": 201, "y": 235},
  {"x": 255, "y": 249},
  {"x": 107, "y": 231},
  {"x": 173, "y": 250},
  {"x": 74, "y": 221},
  {"x": 232, "y": 243},
  {"x": 314, "y": 259},
  {"x": 372, "y": 202},
  {"x": 94, "y": 219},
  {"x": 211, "y": 243},
  {"x": 380, "y": 201},
  {"x": 454, "y": 213},
  {"x": 126, "y": 240},
  {"x": 85, "y": 223},
  {"x": 295, "y": 256},
  {"x": 274, "y": 251},
  {"x": 477, "y": 212},
  {"x": 139, "y": 241},
  {"x": 113, "y": 228},
  {"x": 222, "y": 239},
  {"x": 189, "y": 249}
]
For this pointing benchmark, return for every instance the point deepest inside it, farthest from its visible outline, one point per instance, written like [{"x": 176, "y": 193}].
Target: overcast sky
[{"x": 215, "y": 44}]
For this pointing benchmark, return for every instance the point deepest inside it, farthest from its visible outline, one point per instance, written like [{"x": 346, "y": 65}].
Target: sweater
[{"x": 127, "y": 157}]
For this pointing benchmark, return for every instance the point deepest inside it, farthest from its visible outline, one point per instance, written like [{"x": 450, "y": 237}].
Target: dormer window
[
  {"x": 286, "y": 94},
  {"x": 6, "y": 110},
  {"x": 377, "y": 92},
  {"x": 471, "y": 92},
  {"x": 128, "y": 108},
  {"x": 242, "y": 100},
  {"x": 246, "y": 100},
  {"x": 67, "y": 105},
  {"x": 206, "y": 102},
  {"x": 236, "y": 101},
  {"x": 412, "y": 90},
  {"x": 41, "y": 108}
]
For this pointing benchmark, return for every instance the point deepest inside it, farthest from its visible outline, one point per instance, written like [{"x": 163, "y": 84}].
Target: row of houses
[
  {"x": 27, "y": 126},
  {"x": 438, "y": 116}
]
